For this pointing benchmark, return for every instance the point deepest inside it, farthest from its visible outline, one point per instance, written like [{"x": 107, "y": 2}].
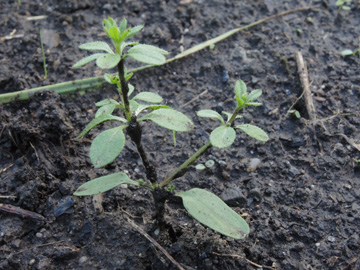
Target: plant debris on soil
[{"x": 299, "y": 192}]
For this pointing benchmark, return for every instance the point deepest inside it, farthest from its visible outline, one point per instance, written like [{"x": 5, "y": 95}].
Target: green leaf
[
  {"x": 131, "y": 89},
  {"x": 346, "y": 8},
  {"x": 254, "y": 132},
  {"x": 211, "y": 114},
  {"x": 134, "y": 30},
  {"x": 106, "y": 102},
  {"x": 148, "y": 97},
  {"x": 114, "y": 34},
  {"x": 170, "y": 119},
  {"x": 210, "y": 210},
  {"x": 108, "y": 61},
  {"x": 123, "y": 25},
  {"x": 254, "y": 95},
  {"x": 148, "y": 54},
  {"x": 107, "y": 146},
  {"x": 98, "y": 121},
  {"x": 96, "y": 46},
  {"x": 346, "y": 52},
  {"x": 240, "y": 88},
  {"x": 125, "y": 44},
  {"x": 222, "y": 137},
  {"x": 240, "y": 102},
  {"x": 106, "y": 109},
  {"x": 87, "y": 59},
  {"x": 255, "y": 104},
  {"x": 103, "y": 184},
  {"x": 142, "y": 107}
]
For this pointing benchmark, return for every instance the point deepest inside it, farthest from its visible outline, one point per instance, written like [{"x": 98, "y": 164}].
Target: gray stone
[{"x": 233, "y": 197}]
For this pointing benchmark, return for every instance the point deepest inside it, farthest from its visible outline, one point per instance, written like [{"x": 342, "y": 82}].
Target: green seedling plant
[{"x": 133, "y": 111}]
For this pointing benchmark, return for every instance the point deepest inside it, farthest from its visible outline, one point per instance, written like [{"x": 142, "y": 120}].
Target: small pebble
[
  {"x": 32, "y": 262},
  {"x": 253, "y": 164},
  {"x": 39, "y": 235},
  {"x": 317, "y": 244},
  {"x": 106, "y": 7},
  {"x": 83, "y": 259},
  {"x": 331, "y": 239}
]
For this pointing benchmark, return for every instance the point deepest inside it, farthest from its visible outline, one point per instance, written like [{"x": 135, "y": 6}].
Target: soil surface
[{"x": 301, "y": 199}]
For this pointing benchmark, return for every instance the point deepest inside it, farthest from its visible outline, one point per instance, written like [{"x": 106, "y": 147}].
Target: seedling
[
  {"x": 348, "y": 52},
  {"x": 132, "y": 112},
  {"x": 343, "y": 4}
]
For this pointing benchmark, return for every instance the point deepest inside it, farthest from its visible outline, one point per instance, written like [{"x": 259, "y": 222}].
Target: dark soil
[{"x": 302, "y": 202}]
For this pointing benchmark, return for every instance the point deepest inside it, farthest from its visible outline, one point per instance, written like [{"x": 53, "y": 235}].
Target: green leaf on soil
[
  {"x": 106, "y": 102},
  {"x": 87, "y": 59},
  {"x": 211, "y": 114},
  {"x": 170, "y": 119},
  {"x": 346, "y": 52},
  {"x": 103, "y": 184},
  {"x": 107, "y": 146},
  {"x": 148, "y": 97},
  {"x": 240, "y": 88},
  {"x": 99, "y": 120},
  {"x": 108, "y": 61},
  {"x": 134, "y": 30},
  {"x": 222, "y": 137},
  {"x": 106, "y": 109},
  {"x": 148, "y": 54},
  {"x": 254, "y": 132},
  {"x": 210, "y": 210},
  {"x": 142, "y": 107},
  {"x": 96, "y": 46},
  {"x": 254, "y": 95}
]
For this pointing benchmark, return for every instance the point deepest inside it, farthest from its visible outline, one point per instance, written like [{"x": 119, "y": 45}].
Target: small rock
[
  {"x": 233, "y": 197},
  {"x": 331, "y": 239},
  {"x": 32, "y": 262},
  {"x": 17, "y": 243},
  {"x": 106, "y": 7},
  {"x": 83, "y": 259},
  {"x": 294, "y": 171},
  {"x": 64, "y": 207},
  {"x": 254, "y": 195},
  {"x": 39, "y": 235},
  {"x": 253, "y": 164}
]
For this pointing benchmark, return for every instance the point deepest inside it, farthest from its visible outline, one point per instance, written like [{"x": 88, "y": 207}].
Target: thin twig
[
  {"x": 42, "y": 245},
  {"x": 194, "y": 99},
  {"x": 21, "y": 212},
  {"x": 304, "y": 79},
  {"x": 156, "y": 244},
  {"x": 241, "y": 257}
]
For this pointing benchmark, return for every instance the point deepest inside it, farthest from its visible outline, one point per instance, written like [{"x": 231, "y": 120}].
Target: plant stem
[
  {"x": 182, "y": 169},
  {"x": 134, "y": 128},
  {"x": 124, "y": 89}
]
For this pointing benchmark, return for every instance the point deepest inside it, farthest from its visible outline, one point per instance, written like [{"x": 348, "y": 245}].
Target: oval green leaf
[
  {"x": 210, "y": 210},
  {"x": 103, "y": 184},
  {"x": 211, "y": 114},
  {"x": 240, "y": 88},
  {"x": 106, "y": 109},
  {"x": 148, "y": 97},
  {"x": 170, "y": 119},
  {"x": 222, "y": 137},
  {"x": 148, "y": 54},
  {"x": 346, "y": 52},
  {"x": 254, "y": 95},
  {"x": 108, "y": 61},
  {"x": 99, "y": 120},
  {"x": 254, "y": 132},
  {"x": 107, "y": 146},
  {"x": 96, "y": 46},
  {"x": 87, "y": 59}
]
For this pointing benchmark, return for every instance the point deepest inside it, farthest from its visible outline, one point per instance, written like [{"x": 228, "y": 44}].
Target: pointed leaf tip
[{"x": 210, "y": 210}]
